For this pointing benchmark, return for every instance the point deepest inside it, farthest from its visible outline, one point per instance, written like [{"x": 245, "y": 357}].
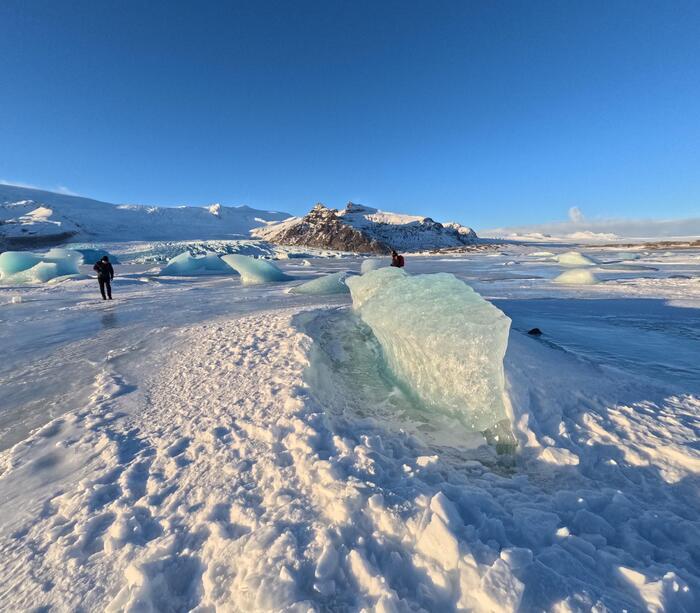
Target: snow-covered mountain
[
  {"x": 363, "y": 229},
  {"x": 31, "y": 217}
]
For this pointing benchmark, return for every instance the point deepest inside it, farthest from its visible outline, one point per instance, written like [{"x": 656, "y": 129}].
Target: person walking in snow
[
  {"x": 396, "y": 260},
  {"x": 105, "y": 274}
]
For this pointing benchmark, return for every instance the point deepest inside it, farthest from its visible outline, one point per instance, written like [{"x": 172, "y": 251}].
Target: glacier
[
  {"x": 328, "y": 284},
  {"x": 255, "y": 270},
  {"x": 186, "y": 264},
  {"x": 28, "y": 267},
  {"x": 440, "y": 339}
]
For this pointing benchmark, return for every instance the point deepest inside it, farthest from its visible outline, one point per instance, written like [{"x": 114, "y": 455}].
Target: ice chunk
[
  {"x": 16, "y": 261},
  {"x": 66, "y": 260},
  {"x": 372, "y": 264},
  {"x": 577, "y": 276},
  {"x": 542, "y": 254},
  {"x": 92, "y": 254},
  {"x": 329, "y": 284},
  {"x": 441, "y": 340},
  {"x": 253, "y": 270},
  {"x": 574, "y": 258},
  {"x": 188, "y": 265},
  {"x": 27, "y": 267}
]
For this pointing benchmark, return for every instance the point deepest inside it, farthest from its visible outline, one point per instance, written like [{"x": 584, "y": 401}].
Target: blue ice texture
[
  {"x": 28, "y": 267},
  {"x": 328, "y": 284},
  {"x": 441, "y": 340},
  {"x": 186, "y": 264},
  {"x": 255, "y": 270}
]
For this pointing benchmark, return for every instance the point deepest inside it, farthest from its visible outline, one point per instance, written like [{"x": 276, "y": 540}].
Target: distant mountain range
[
  {"x": 31, "y": 218},
  {"x": 362, "y": 229}
]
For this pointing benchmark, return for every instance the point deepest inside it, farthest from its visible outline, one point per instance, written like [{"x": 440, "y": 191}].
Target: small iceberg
[
  {"x": 254, "y": 271},
  {"x": 441, "y": 340},
  {"x": 577, "y": 276},
  {"x": 186, "y": 264},
  {"x": 575, "y": 259},
  {"x": 370, "y": 264},
  {"x": 28, "y": 267},
  {"x": 328, "y": 284}
]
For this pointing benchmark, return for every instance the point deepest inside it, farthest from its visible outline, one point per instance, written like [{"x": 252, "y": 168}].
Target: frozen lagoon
[{"x": 184, "y": 389}]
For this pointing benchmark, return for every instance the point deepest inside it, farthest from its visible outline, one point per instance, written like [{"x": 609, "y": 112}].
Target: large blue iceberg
[
  {"x": 28, "y": 267},
  {"x": 189, "y": 265},
  {"x": 441, "y": 340},
  {"x": 328, "y": 284},
  {"x": 255, "y": 270}
]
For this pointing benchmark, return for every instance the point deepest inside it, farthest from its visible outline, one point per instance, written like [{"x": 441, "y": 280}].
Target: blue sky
[{"x": 491, "y": 113}]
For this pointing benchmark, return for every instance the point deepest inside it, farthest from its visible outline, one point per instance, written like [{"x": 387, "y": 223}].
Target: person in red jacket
[{"x": 396, "y": 260}]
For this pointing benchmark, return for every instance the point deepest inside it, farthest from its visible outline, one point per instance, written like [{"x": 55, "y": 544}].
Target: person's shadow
[{"x": 109, "y": 320}]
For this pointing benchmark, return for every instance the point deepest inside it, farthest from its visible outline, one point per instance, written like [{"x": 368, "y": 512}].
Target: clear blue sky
[{"x": 490, "y": 113}]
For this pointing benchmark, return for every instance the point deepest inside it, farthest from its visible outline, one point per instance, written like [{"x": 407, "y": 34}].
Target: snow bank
[
  {"x": 254, "y": 270},
  {"x": 328, "y": 284},
  {"x": 577, "y": 276},
  {"x": 372, "y": 264},
  {"x": 440, "y": 339},
  {"x": 574, "y": 258},
  {"x": 27, "y": 267},
  {"x": 186, "y": 264}
]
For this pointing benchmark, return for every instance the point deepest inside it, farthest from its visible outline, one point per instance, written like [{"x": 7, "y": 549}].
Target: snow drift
[
  {"x": 441, "y": 340},
  {"x": 254, "y": 270}
]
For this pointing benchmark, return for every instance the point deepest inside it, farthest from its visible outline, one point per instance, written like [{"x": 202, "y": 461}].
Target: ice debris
[
  {"x": 577, "y": 276},
  {"x": 187, "y": 264},
  {"x": 28, "y": 267},
  {"x": 440, "y": 339},
  {"x": 574, "y": 258},
  {"x": 255, "y": 270},
  {"x": 328, "y": 284}
]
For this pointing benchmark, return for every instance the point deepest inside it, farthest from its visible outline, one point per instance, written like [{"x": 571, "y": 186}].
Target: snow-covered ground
[{"x": 200, "y": 445}]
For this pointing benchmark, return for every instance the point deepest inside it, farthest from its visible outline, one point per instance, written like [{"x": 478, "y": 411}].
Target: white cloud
[
  {"x": 578, "y": 227},
  {"x": 575, "y": 214},
  {"x": 59, "y": 189}
]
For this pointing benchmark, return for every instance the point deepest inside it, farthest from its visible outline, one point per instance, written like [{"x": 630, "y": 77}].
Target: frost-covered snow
[
  {"x": 255, "y": 270},
  {"x": 203, "y": 445}
]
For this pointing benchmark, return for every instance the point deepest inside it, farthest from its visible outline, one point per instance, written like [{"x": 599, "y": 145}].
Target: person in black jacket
[{"x": 105, "y": 274}]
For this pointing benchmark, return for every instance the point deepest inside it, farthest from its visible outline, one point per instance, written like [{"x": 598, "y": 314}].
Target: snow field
[{"x": 231, "y": 488}]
